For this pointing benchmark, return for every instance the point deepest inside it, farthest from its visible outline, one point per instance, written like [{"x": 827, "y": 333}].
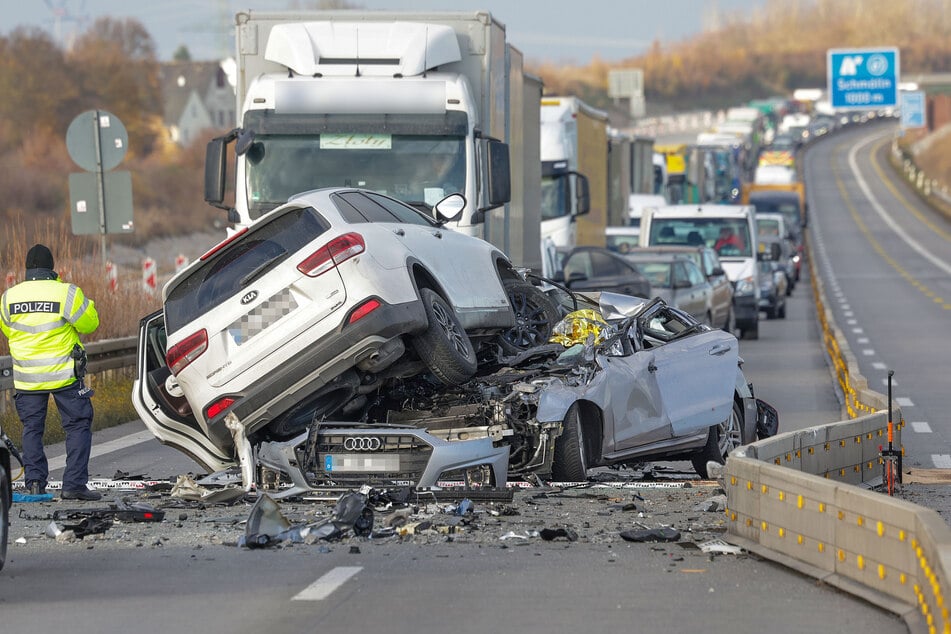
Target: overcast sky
[{"x": 570, "y": 31}]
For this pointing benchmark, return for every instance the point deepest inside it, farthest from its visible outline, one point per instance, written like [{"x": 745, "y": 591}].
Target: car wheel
[
  {"x": 444, "y": 346},
  {"x": 771, "y": 311},
  {"x": 570, "y": 464},
  {"x": 721, "y": 440},
  {"x": 781, "y": 311},
  {"x": 535, "y": 316},
  {"x": 4, "y": 515}
]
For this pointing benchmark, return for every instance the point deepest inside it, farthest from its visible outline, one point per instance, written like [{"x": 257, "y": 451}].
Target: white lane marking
[
  {"x": 324, "y": 587},
  {"x": 921, "y": 427},
  {"x": 892, "y": 224},
  {"x": 941, "y": 460},
  {"x": 868, "y": 352},
  {"x": 59, "y": 462},
  {"x": 858, "y": 331},
  {"x": 862, "y": 340},
  {"x": 879, "y": 366},
  {"x": 885, "y": 381},
  {"x": 851, "y": 322},
  {"x": 904, "y": 401},
  {"x": 848, "y": 313}
]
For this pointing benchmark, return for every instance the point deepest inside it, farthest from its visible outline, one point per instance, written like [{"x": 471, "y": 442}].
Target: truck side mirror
[
  {"x": 215, "y": 170},
  {"x": 582, "y": 194},
  {"x": 500, "y": 180}
]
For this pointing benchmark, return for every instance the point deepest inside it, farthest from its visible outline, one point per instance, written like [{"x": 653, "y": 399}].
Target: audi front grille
[{"x": 371, "y": 457}]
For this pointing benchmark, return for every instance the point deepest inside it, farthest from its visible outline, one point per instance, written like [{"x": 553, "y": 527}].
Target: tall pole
[{"x": 100, "y": 183}]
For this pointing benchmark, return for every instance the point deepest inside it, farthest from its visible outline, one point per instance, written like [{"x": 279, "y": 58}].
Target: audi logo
[
  {"x": 362, "y": 443},
  {"x": 249, "y": 297}
]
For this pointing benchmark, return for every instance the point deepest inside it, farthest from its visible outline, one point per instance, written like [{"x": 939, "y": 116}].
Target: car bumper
[
  {"x": 317, "y": 365},
  {"x": 406, "y": 456}
]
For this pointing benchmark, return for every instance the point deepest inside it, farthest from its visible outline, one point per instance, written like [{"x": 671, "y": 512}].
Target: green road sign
[{"x": 85, "y": 204}]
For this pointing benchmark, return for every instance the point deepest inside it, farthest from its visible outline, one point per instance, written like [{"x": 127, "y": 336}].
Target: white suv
[{"x": 316, "y": 304}]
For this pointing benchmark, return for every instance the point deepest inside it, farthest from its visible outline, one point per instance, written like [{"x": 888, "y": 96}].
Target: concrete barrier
[{"x": 805, "y": 499}]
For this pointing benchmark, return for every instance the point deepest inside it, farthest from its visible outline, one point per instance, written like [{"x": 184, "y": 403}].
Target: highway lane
[
  {"x": 451, "y": 587},
  {"x": 886, "y": 259}
]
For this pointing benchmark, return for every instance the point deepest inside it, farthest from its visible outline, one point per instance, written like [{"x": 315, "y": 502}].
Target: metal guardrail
[{"x": 108, "y": 354}]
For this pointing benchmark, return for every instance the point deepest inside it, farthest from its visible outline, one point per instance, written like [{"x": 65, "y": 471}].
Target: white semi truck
[
  {"x": 574, "y": 160},
  {"x": 417, "y": 105}
]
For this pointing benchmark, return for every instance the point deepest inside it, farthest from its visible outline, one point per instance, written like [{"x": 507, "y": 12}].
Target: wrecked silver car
[{"x": 625, "y": 380}]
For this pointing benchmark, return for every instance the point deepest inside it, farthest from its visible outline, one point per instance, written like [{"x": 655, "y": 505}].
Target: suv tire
[
  {"x": 535, "y": 316},
  {"x": 444, "y": 346}
]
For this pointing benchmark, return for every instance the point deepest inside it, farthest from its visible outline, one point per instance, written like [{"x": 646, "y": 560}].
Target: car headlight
[{"x": 745, "y": 286}]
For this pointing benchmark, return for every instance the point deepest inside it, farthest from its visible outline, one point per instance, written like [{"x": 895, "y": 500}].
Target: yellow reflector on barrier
[
  {"x": 860, "y": 562},
  {"x": 881, "y": 571},
  {"x": 841, "y": 555},
  {"x": 880, "y": 529}
]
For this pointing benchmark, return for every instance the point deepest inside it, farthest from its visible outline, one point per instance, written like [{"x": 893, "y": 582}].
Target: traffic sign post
[
  {"x": 863, "y": 78},
  {"x": 913, "y": 109},
  {"x": 99, "y": 202}
]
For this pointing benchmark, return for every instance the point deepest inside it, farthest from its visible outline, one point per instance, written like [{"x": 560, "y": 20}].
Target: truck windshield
[
  {"x": 730, "y": 237},
  {"x": 555, "y": 198},
  {"x": 416, "y": 169}
]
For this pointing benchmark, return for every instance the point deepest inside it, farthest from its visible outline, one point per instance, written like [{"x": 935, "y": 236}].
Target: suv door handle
[
  {"x": 399, "y": 232},
  {"x": 437, "y": 234},
  {"x": 719, "y": 350}
]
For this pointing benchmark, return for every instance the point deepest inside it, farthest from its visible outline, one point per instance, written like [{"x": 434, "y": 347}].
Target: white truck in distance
[
  {"x": 413, "y": 105},
  {"x": 574, "y": 160}
]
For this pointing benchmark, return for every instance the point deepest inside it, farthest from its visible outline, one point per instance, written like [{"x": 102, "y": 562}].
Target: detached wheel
[
  {"x": 4, "y": 515},
  {"x": 444, "y": 346},
  {"x": 569, "y": 463},
  {"x": 722, "y": 439},
  {"x": 535, "y": 316}
]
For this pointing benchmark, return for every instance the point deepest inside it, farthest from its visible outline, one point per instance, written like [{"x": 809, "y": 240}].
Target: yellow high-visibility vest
[{"x": 43, "y": 320}]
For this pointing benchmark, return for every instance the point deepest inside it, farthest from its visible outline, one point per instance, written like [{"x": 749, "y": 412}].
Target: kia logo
[
  {"x": 249, "y": 297},
  {"x": 362, "y": 443}
]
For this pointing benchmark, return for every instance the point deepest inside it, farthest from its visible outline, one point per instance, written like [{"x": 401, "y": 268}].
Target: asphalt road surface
[{"x": 187, "y": 574}]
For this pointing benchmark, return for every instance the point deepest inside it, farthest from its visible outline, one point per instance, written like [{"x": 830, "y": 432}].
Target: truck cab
[{"x": 416, "y": 106}]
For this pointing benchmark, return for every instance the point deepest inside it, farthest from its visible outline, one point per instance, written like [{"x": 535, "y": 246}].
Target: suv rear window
[{"x": 226, "y": 273}]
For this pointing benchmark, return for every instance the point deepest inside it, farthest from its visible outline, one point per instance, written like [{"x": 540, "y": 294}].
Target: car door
[
  {"x": 166, "y": 413},
  {"x": 696, "y": 376},
  {"x": 722, "y": 290},
  {"x": 687, "y": 295}
]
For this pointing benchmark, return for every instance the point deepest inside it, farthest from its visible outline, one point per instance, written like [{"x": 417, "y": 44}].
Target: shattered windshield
[{"x": 415, "y": 169}]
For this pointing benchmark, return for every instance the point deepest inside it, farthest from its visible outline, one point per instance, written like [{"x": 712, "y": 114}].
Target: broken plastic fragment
[
  {"x": 719, "y": 546},
  {"x": 666, "y": 534}
]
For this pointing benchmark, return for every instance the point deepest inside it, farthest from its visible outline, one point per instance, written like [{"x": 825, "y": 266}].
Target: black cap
[{"x": 39, "y": 257}]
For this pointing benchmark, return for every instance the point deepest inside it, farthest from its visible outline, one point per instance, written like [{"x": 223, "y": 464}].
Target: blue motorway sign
[
  {"x": 863, "y": 78},
  {"x": 913, "y": 109}
]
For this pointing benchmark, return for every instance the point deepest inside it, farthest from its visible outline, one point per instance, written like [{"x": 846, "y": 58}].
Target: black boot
[{"x": 37, "y": 488}]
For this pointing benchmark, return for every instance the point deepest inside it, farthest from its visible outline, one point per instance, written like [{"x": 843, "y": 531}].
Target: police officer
[{"x": 43, "y": 317}]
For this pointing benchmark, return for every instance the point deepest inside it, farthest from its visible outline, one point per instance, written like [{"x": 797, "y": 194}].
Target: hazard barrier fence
[{"x": 807, "y": 500}]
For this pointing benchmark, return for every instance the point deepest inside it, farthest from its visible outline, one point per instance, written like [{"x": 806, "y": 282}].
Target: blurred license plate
[{"x": 357, "y": 463}]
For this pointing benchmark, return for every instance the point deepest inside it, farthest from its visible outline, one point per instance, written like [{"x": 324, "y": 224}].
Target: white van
[{"x": 731, "y": 231}]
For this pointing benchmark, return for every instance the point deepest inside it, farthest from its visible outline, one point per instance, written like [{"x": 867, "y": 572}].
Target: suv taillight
[
  {"x": 184, "y": 352},
  {"x": 332, "y": 254}
]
